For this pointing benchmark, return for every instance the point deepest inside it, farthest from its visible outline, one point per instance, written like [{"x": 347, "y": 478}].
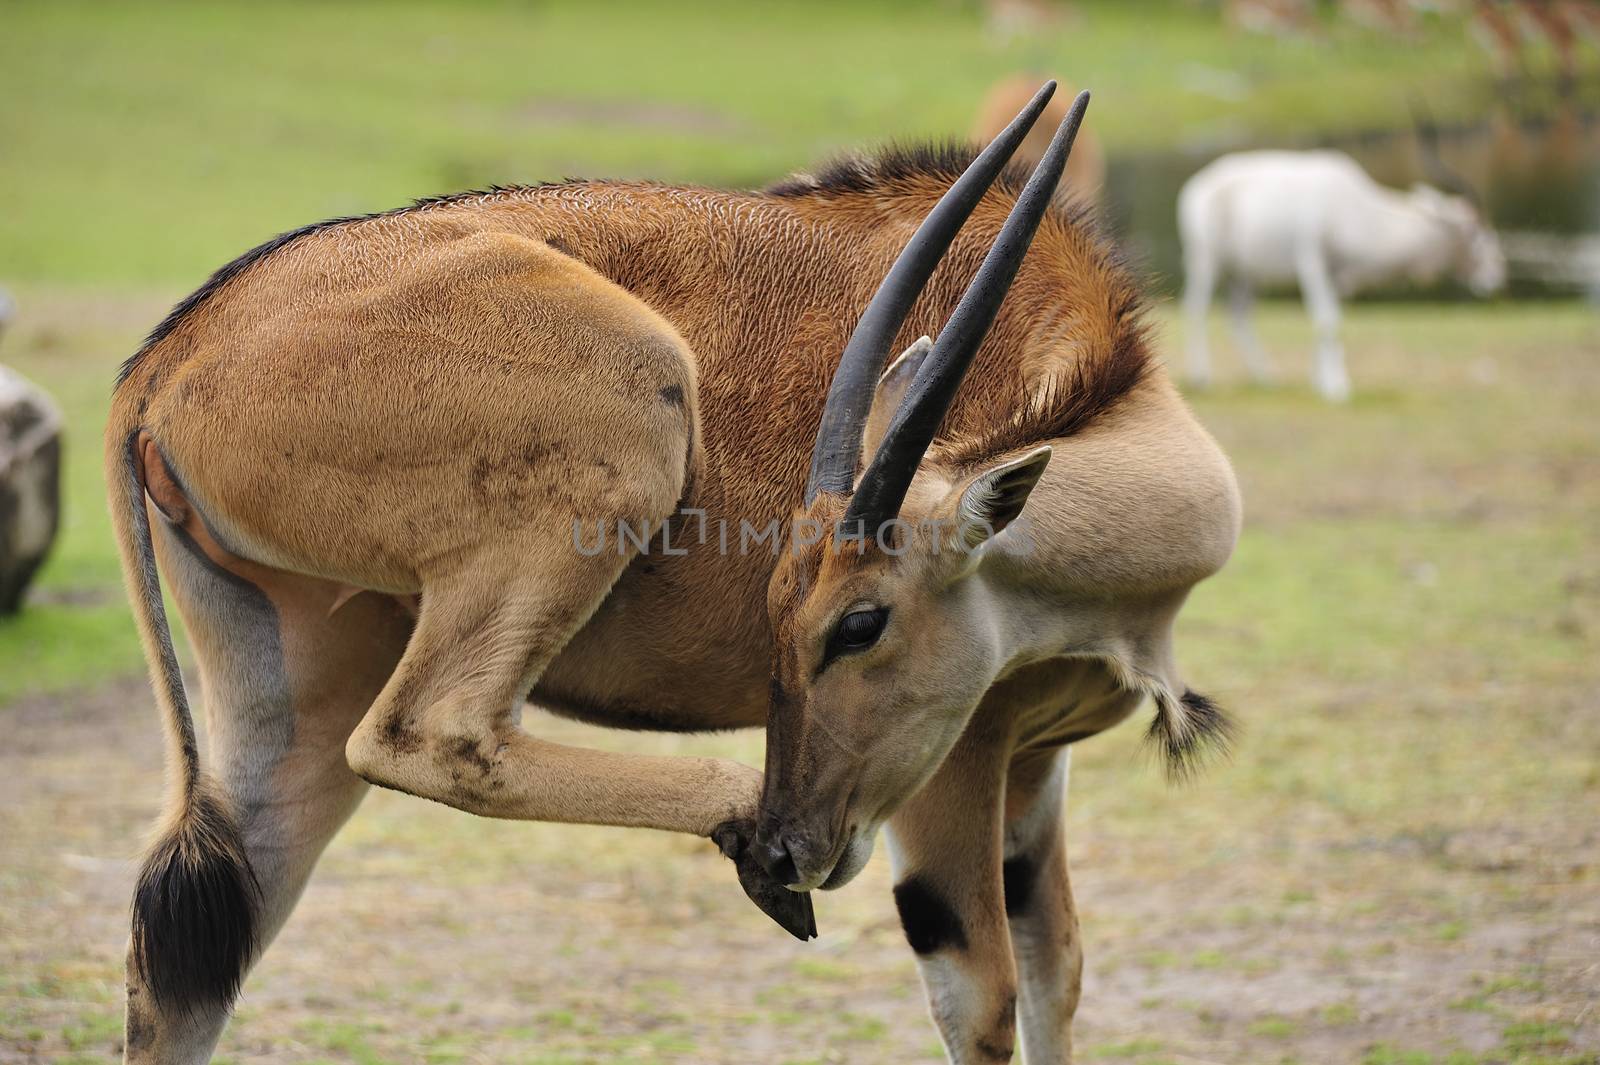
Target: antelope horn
[
  {"x": 883, "y": 487},
  {"x": 838, "y": 446},
  {"x": 1433, "y": 164}
]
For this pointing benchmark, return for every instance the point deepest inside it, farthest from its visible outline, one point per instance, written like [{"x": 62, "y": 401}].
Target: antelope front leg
[
  {"x": 1321, "y": 298},
  {"x": 946, "y": 850},
  {"x": 1200, "y": 278},
  {"x": 1044, "y": 922}
]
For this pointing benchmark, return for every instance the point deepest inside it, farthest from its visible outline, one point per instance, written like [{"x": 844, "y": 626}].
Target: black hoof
[{"x": 791, "y": 909}]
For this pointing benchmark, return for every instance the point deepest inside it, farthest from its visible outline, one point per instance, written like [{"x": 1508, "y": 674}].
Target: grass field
[
  {"x": 1401, "y": 866},
  {"x": 151, "y": 142}
]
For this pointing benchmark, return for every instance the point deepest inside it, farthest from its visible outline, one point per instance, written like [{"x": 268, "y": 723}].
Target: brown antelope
[{"x": 362, "y": 456}]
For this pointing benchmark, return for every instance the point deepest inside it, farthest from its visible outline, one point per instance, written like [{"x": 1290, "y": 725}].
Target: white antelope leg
[
  {"x": 1241, "y": 305},
  {"x": 946, "y": 849},
  {"x": 1039, "y": 906},
  {"x": 1322, "y": 303},
  {"x": 1200, "y": 279}
]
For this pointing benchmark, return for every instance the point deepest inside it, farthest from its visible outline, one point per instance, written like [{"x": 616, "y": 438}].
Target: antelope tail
[
  {"x": 1187, "y": 728},
  {"x": 196, "y": 902}
]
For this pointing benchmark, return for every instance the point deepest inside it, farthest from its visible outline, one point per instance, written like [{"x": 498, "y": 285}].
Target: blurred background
[{"x": 1401, "y": 864}]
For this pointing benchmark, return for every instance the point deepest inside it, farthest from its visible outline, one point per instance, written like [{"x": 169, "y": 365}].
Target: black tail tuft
[
  {"x": 194, "y": 909},
  {"x": 1188, "y": 731}
]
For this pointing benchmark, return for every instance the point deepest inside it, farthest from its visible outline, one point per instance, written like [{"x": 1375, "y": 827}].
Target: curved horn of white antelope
[
  {"x": 838, "y": 446},
  {"x": 883, "y": 487},
  {"x": 1433, "y": 164}
]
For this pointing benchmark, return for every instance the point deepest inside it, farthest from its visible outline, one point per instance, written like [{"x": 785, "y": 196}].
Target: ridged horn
[{"x": 838, "y": 447}]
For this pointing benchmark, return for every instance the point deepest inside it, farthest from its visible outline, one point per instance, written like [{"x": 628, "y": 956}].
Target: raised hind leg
[
  {"x": 447, "y": 725},
  {"x": 431, "y": 422},
  {"x": 285, "y": 677}
]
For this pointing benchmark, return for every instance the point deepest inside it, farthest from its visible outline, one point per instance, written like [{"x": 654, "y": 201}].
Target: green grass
[
  {"x": 151, "y": 142},
  {"x": 76, "y": 628}
]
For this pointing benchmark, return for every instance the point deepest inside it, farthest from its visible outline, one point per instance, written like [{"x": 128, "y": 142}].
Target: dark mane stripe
[
  {"x": 194, "y": 300},
  {"x": 892, "y": 165},
  {"x": 213, "y": 284},
  {"x": 1065, "y": 406}
]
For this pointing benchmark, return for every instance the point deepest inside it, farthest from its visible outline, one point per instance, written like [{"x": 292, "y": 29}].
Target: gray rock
[{"x": 30, "y": 484}]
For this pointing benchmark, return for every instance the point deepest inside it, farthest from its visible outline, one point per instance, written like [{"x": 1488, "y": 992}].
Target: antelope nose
[{"x": 772, "y": 851}]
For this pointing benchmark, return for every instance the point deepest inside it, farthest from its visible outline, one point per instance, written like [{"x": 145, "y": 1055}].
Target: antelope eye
[{"x": 857, "y": 631}]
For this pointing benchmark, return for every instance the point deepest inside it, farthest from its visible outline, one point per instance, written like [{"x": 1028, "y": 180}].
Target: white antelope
[
  {"x": 373, "y": 459},
  {"x": 1316, "y": 219}
]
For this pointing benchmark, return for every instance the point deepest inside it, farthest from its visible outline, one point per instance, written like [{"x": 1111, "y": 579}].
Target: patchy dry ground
[{"x": 1401, "y": 866}]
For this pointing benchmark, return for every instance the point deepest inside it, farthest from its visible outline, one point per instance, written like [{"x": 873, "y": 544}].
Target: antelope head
[
  {"x": 1475, "y": 257},
  {"x": 1477, "y": 261},
  {"x": 885, "y": 635}
]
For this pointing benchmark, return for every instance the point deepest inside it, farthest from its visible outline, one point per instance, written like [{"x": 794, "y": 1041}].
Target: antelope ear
[
  {"x": 891, "y": 390},
  {"x": 996, "y": 496}
]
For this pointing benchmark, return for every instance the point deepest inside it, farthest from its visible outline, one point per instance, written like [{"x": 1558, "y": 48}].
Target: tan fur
[{"x": 420, "y": 404}]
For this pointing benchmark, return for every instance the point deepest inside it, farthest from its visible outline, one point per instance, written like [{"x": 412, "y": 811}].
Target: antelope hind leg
[
  {"x": 283, "y": 683},
  {"x": 446, "y": 726}
]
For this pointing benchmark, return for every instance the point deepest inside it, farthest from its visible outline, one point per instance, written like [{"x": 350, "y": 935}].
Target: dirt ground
[
  {"x": 429, "y": 936},
  {"x": 1401, "y": 866}
]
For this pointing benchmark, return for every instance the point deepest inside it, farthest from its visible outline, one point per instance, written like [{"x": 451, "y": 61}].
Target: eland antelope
[
  {"x": 1315, "y": 218},
  {"x": 361, "y": 455}
]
